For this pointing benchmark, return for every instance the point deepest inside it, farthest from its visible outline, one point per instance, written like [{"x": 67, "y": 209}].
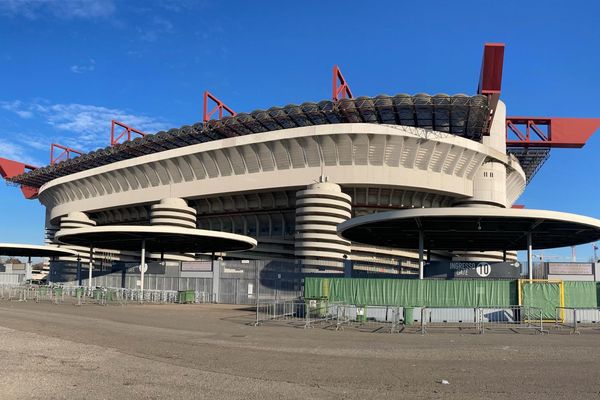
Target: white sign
[
  {"x": 572, "y": 268},
  {"x": 483, "y": 269},
  {"x": 250, "y": 288},
  {"x": 145, "y": 268}
]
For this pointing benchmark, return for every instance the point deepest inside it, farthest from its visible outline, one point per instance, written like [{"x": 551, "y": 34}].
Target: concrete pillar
[
  {"x": 142, "y": 265},
  {"x": 216, "y": 266},
  {"x": 529, "y": 256},
  {"x": 421, "y": 261}
]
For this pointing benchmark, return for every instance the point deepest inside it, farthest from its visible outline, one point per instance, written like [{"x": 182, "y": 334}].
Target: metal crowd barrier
[
  {"x": 451, "y": 317},
  {"x": 512, "y": 317},
  {"x": 374, "y": 318},
  {"x": 319, "y": 312},
  {"x": 574, "y": 317},
  {"x": 277, "y": 310}
]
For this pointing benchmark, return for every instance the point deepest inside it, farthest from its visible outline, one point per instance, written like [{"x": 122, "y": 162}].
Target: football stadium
[{"x": 403, "y": 200}]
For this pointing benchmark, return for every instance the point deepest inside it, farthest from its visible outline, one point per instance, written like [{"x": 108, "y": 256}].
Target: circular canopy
[
  {"x": 32, "y": 250},
  {"x": 473, "y": 229},
  {"x": 157, "y": 238}
]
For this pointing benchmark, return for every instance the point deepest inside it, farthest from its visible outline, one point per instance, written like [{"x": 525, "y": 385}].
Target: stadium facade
[{"x": 288, "y": 176}]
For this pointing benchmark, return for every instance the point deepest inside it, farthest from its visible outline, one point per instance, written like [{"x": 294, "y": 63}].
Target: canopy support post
[
  {"x": 421, "y": 262},
  {"x": 504, "y": 255},
  {"x": 142, "y": 265},
  {"x": 28, "y": 273},
  {"x": 91, "y": 265},
  {"x": 529, "y": 256}
]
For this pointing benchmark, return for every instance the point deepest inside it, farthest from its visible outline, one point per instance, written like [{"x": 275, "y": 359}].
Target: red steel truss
[
  {"x": 490, "y": 78},
  {"x": 219, "y": 107},
  {"x": 127, "y": 130},
  {"x": 65, "y": 153},
  {"x": 549, "y": 131},
  {"x": 340, "y": 88},
  {"x": 10, "y": 168}
]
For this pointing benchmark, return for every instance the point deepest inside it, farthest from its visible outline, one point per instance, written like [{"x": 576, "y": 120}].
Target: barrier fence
[
  {"x": 574, "y": 317},
  {"x": 82, "y": 295},
  {"x": 394, "y": 319}
]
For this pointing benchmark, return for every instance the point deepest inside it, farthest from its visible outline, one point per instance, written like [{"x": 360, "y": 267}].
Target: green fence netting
[
  {"x": 401, "y": 292},
  {"x": 581, "y": 294},
  {"x": 544, "y": 296}
]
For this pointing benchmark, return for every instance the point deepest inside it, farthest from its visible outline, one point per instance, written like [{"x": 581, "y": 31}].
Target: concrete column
[
  {"x": 529, "y": 256},
  {"x": 216, "y": 278},
  {"x": 28, "y": 274},
  {"x": 90, "y": 265},
  {"x": 421, "y": 261},
  {"x": 142, "y": 265}
]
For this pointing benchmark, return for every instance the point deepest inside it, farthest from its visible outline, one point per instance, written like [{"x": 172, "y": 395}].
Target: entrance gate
[{"x": 545, "y": 295}]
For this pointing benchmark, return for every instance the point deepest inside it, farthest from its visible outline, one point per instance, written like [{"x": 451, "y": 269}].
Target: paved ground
[{"x": 209, "y": 352}]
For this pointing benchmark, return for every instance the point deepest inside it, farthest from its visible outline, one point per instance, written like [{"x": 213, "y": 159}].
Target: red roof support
[
  {"x": 490, "y": 77},
  {"x": 549, "y": 131},
  {"x": 127, "y": 130},
  {"x": 10, "y": 168},
  {"x": 220, "y": 106},
  {"x": 340, "y": 87},
  {"x": 66, "y": 153}
]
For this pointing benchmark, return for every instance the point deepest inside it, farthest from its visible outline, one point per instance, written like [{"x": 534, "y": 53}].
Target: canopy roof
[
  {"x": 32, "y": 250},
  {"x": 157, "y": 239},
  {"x": 459, "y": 114},
  {"x": 471, "y": 229}
]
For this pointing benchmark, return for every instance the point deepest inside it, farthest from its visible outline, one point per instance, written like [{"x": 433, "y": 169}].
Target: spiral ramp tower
[
  {"x": 319, "y": 210},
  {"x": 173, "y": 212}
]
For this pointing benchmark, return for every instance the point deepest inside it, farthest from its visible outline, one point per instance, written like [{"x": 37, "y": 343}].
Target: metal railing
[
  {"x": 512, "y": 317},
  {"x": 574, "y": 317},
  {"x": 451, "y": 317},
  {"x": 278, "y": 310},
  {"x": 374, "y": 318},
  {"x": 82, "y": 295}
]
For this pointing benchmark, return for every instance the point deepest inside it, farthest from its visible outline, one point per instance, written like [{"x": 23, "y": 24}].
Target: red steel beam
[
  {"x": 340, "y": 87},
  {"x": 219, "y": 107},
  {"x": 490, "y": 77},
  {"x": 127, "y": 130},
  {"x": 559, "y": 132},
  {"x": 10, "y": 168},
  {"x": 66, "y": 153}
]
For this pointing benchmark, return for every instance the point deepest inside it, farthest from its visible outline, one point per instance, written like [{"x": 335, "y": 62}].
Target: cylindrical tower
[
  {"x": 173, "y": 212},
  {"x": 319, "y": 210}
]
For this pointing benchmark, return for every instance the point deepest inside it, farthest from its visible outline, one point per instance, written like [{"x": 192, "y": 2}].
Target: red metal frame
[
  {"x": 127, "y": 130},
  {"x": 10, "y": 168},
  {"x": 558, "y": 132},
  {"x": 220, "y": 106},
  {"x": 66, "y": 152},
  {"x": 490, "y": 77},
  {"x": 340, "y": 86}
]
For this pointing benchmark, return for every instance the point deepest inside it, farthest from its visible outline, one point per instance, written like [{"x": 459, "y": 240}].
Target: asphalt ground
[{"x": 213, "y": 352}]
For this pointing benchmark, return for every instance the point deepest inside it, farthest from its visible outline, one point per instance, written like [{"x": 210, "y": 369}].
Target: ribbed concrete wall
[{"x": 319, "y": 210}]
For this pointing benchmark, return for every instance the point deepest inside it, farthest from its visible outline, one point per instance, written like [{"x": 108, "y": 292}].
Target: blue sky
[{"x": 68, "y": 67}]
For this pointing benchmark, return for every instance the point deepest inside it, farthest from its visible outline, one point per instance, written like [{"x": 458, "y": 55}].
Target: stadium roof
[{"x": 460, "y": 115}]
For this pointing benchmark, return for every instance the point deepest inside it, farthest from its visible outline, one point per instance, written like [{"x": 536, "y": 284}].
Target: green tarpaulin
[
  {"x": 581, "y": 294},
  {"x": 412, "y": 292},
  {"x": 542, "y": 295}
]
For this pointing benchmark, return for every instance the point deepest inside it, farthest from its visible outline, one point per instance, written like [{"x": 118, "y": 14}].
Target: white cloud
[
  {"x": 70, "y": 9},
  {"x": 82, "y": 126},
  {"x": 82, "y": 69},
  {"x": 155, "y": 29},
  {"x": 16, "y": 107},
  {"x": 16, "y": 152}
]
